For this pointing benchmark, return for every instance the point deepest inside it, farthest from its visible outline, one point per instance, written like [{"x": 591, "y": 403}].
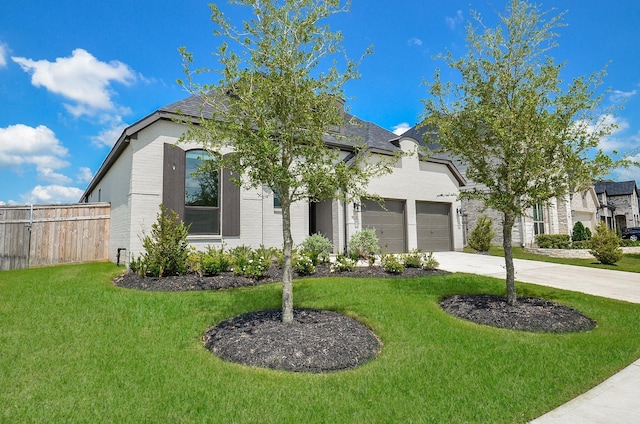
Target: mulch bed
[
  {"x": 528, "y": 314},
  {"x": 324, "y": 341}
]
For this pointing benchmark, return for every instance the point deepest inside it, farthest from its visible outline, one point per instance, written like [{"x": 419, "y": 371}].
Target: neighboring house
[
  {"x": 146, "y": 168},
  {"x": 557, "y": 216},
  {"x": 618, "y": 204}
]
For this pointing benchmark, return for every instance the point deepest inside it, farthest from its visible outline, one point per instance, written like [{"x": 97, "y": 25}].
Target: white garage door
[
  {"x": 433, "y": 222},
  {"x": 389, "y": 224}
]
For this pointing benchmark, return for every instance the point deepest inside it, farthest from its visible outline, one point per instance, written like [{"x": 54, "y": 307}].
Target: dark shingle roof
[
  {"x": 355, "y": 131},
  {"x": 612, "y": 188}
]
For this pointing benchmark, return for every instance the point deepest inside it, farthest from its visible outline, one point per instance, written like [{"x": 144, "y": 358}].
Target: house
[
  {"x": 146, "y": 167},
  {"x": 618, "y": 204},
  {"x": 556, "y": 216}
]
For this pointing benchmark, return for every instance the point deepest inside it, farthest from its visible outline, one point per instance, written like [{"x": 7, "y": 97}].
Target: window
[
  {"x": 277, "y": 204},
  {"x": 538, "y": 219},
  {"x": 202, "y": 193}
]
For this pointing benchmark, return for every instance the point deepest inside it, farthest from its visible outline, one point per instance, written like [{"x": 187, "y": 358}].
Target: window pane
[
  {"x": 202, "y": 179},
  {"x": 203, "y": 220}
]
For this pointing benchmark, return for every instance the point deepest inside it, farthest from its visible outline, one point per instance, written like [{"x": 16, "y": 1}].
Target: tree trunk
[
  {"x": 287, "y": 268},
  {"x": 507, "y": 244}
]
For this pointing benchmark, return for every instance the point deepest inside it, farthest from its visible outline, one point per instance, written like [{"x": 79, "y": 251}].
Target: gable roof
[{"x": 613, "y": 188}]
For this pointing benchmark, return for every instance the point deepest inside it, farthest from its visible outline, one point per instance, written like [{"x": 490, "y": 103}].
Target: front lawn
[
  {"x": 629, "y": 262},
  {"x": 75, "y": 348}
]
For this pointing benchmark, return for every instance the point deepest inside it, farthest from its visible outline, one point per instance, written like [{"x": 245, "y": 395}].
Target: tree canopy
[
  {"x": 274, "y": 107},
  {"x": 525, "y": 135}
]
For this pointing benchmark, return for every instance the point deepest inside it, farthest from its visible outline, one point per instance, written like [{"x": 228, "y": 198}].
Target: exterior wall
[
  {"x": 414, "y": 180},
  {"x": 115, "y": 189},
  {"x": 584, "y": 207},
  {"x": 626, "y": 210}
]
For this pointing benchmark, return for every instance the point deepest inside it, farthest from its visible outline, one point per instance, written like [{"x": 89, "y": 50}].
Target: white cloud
[
  {"x": 618, "y": 95},
  {"x": 81, "y": 78},
  {"x": 84, "y": 175},
  {"x": 22, "y": 145},
  {"x": 613, "y": 141},
  {"x": 401, "y": 128},
  {"x": 415, "y": 42},
  {"x": 109, "y": 136},
  {"x": 453, "y": 22},
  {"x": 4, "y": 51},
  {"x": 52, "y": 194}
]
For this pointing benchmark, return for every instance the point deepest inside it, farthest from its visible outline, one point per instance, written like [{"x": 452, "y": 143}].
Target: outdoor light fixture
[{"x": 356, "y": 207}]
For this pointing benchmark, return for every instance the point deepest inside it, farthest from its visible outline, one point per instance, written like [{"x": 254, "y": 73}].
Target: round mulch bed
[
  {"x": 529, "y": 314},
  {"x": 316, "y": 341}
]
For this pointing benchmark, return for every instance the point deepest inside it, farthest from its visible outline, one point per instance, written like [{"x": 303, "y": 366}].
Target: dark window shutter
[
  {"x": 230, "y": 204},
  {"x": 173, "y": 179}
]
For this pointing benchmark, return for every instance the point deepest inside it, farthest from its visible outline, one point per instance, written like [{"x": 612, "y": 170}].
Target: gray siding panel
[
  {"x": 433, "y": 222},
  {"x": 389, "y": 223},
  {"x": 173, "y": 184},
  {"x": 230, "y": 204}
]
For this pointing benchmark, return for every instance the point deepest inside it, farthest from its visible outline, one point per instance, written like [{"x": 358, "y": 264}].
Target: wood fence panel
[
  {"x": 14, "y": 238},
  {"x": 53, "y": 234}
]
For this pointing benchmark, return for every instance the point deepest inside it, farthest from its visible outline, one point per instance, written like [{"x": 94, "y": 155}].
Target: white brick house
[{"x": 146, "y": 168}]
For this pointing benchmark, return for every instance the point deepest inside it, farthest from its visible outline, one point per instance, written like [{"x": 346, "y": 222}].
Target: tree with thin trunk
[
  {"x": 275, "y": 109},
  {"x": 524, "y": 135}
]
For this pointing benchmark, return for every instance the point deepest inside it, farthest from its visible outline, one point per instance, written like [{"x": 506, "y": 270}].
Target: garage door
[
  {"x": 433, "y": 222},
  {"x": 389, "y": 224}
]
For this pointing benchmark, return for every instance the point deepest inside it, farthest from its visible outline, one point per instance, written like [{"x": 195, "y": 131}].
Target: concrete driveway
[
  {"x": 600, "y": 282},
  {"x": 617, "y": 399}
]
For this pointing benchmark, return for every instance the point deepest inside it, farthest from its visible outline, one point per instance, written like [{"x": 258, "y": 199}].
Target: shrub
[
  {"x": 605, "y": 245},
  {"x": 364, "y": 245},
  {"x": 317, "y": 247},
  {"x": 553, "y": 241},
  {"x": 240, "y": 256},
  {"x": 303, "y": 264},
  {"x": 257, "y": 266},
  {"x": 166, "y": 248},
  {"x": 580, "y": 232},
  {"x": 585, "y": 244},
  {"x": 210, "y": 262},
  {"x": 391, "y": 264},
  {"x": 413, "y": 259},
  {"x": 343, "y": 264},
  {"x": 481, "y": 236},
  {"x": 429, "y": 262}
]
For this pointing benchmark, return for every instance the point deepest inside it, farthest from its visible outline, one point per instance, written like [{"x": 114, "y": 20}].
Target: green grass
[
  {"x": 74, "y": 348},
  {"x": 629, "y": 262}
]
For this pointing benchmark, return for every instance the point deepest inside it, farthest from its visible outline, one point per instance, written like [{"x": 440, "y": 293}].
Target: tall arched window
[{"x": 202, "y": 192}]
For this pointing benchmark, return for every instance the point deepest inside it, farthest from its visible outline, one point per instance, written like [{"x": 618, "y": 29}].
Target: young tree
[
  {"x": 274, "y": 109},
  {"x": 524, "y": 135}
]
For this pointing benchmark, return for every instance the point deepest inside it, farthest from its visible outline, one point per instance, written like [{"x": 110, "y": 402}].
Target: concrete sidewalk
[{"x": 617, "y": 399}]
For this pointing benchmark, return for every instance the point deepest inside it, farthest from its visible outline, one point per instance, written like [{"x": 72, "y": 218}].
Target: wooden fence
[{"x": 42, "y": 235}]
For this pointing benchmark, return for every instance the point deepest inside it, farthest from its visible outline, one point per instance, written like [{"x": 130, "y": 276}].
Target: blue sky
[{"x": 74, "y": 74}]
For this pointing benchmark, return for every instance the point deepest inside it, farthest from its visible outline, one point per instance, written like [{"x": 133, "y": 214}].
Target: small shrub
[
  {"x": 553, "y": 241},
  {"x": 257, "y": 266},
  {"x": 303, "y": 265},
  {"x": 429, "y": 262},
  {"x": 166, "y": 248},
  {"x": 580, "y": 232},
  {"x": 605, "y": 245},
  {"x": 481, "y": 236},
  {"x": 585, "y": 244},
  {"x": 364, "y": 245},
  {"x": 391, "y": 264},
  {"x": 240, "y": 256},
  {"x": 343, "y": 264},
  {"x": 413, "y": 259},
  {"x": 318, "y": 248}
]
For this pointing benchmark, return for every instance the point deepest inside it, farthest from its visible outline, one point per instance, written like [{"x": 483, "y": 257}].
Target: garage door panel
[
  {"x": 388, "y": 221},
  {"x": 433, "y": 222}
]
